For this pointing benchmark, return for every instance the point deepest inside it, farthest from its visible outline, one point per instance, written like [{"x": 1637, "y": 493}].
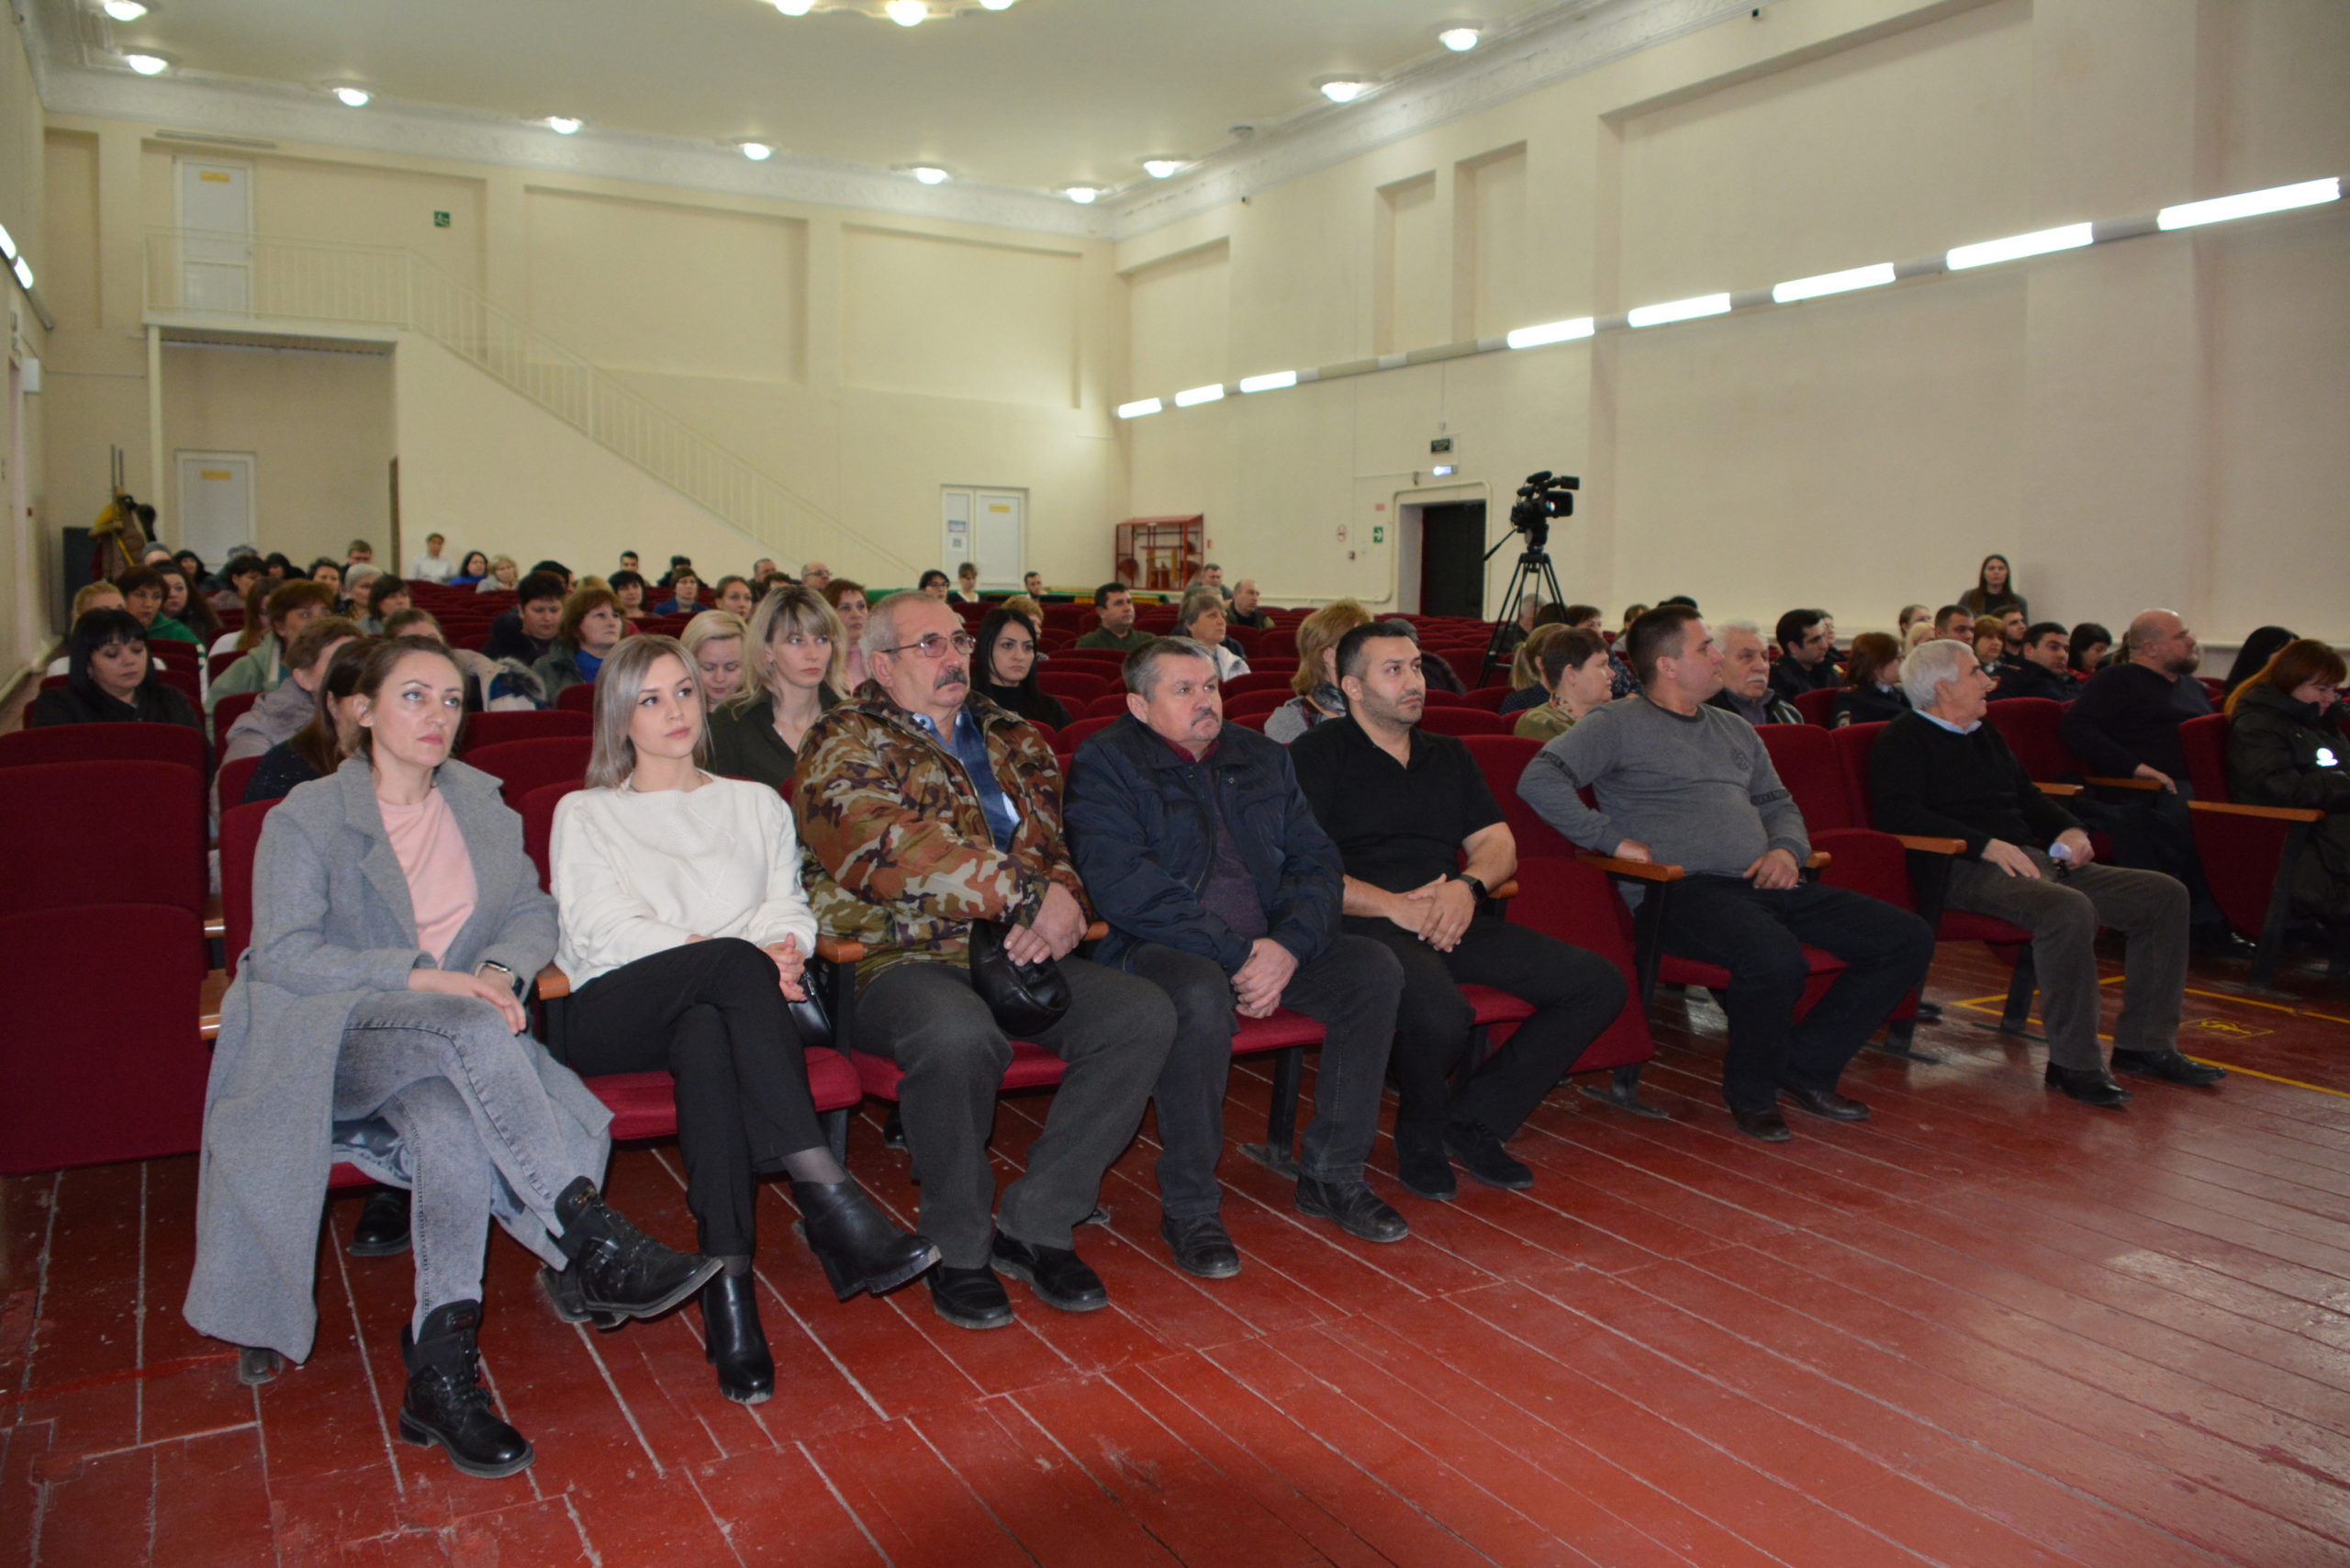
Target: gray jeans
[
  {"x": 479, "y": 1135},
  {"x": 926, "y": 1017},
  {"x": 2062, "y": 916}
]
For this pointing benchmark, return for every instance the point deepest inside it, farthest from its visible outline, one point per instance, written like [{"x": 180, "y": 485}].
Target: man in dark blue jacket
[{"x": 1198, "y": 848}]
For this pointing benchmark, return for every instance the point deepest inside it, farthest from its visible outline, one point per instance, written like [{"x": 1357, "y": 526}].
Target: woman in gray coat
[{"x": 376, "y": 1017}]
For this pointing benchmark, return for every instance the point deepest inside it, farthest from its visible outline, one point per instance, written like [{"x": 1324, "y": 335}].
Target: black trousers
[
  {"x": 712, "y": 1015},
  {"x": 1576, "y": 994}
]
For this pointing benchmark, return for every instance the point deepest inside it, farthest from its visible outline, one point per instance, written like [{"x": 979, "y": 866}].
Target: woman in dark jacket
[
  {"x": 2286, "y": 747},
  {"x": 1994, "y": 592},
  {"x": 110, "y": 680},
  {"x": 2253, "y": 657},
  {"x": 1872, "y": 692},
  {"x": 793, "y": 672},
  {"x": 1007, "y": 669},
  {"x": 319, "y": 747}
]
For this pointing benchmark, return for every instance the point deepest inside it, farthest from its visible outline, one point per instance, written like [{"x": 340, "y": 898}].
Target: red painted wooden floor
[{"x": 1988, "y": 1326}]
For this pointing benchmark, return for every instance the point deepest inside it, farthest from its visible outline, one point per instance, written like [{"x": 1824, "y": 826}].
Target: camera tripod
[{"x": 1533, "y": 570}]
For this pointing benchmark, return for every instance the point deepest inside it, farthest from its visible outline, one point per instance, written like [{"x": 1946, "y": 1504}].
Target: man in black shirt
[
  {"x": 1806, "y": 661},
  {"x": 526, "y": 632},
  {"x": 2045, "y": 668},
  {"x": 1407, "y": 808},
  {"x": 1940, "y": 770}
]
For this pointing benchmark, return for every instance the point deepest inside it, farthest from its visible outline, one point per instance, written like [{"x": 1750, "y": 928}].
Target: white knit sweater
[{"x": 639, "y": 874}]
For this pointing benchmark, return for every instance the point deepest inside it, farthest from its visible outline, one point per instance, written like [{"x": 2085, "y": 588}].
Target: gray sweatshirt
[{"x": 1699, "y": 792}]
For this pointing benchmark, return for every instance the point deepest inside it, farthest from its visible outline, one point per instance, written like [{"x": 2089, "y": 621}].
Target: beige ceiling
[{"x": 1045, "y": 94}]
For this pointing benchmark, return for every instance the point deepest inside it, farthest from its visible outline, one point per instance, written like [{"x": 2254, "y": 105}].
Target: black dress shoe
[
  {"x": 856, "y": 1242},
  {"x": 2220, "y": 941},
  {"x": 1354, "y": 1208},
  {"x": 1929, "y": 1011},
  {"x": 382, "y": 1231},
  {"x": 1480, "y": 1154},
  {"x": 734, "y": 1341},
  {"x": 446, "y": 1403},
  {"x": 1825, "y": 1103},
  {"x": 2168, "y": 1066},
  {"x": 1768, "y": 1125},
  {"x": 1059, "y": 1277},
  {"x": 2090, "y": 1086},
  {"x": 969, "y": 1298},
  {"x": 1201, "y": 1246},
  {"x": 1425, "y": 1169},
  {"x": 622, "y": 1271}
]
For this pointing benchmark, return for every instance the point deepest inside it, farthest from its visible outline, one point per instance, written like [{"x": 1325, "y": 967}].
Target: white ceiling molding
[{"x": 1546, "y": 46}]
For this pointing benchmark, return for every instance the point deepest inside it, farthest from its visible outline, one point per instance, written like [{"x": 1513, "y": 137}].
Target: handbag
[{"x": 1026, "y": 999}]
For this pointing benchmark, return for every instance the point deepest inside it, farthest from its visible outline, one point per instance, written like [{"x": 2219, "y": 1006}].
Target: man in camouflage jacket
[{"x": 922, "y": 807}]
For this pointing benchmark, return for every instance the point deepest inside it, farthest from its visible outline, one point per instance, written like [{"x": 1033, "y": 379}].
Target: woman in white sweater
[{"x": 685, "y": 933}]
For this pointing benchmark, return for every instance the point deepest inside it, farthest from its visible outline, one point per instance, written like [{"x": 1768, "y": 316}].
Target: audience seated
[
  {"x": 386, "y": 596},
  {"x": 526, "y": 634},
  {"x": 433, "y": 566},
  {"x": 846, "y": 596},
  {"x": 1202, "y": 620},
  {"x": 1115, "y": 605},
  {"x": 1941, "y": 771},
  {"x": 185, "y": 605},
  {"x": 907, "y": 849},
  {"x": 109, "y": 679},
  {"x": 1872, "y": 692},
  {"x": 1993, "y": 590},
  {"x": 2044, "y": 669},
  {"x": 590, "y": 627},
  {"x": 143, "y": 594},
  {"x": 319, "y": 747},
  {"x": 935, "y": 583},
  {"x": 1806, "y": 659},
  {"x": 1247, "y": 610},
  {"x": 1221, "y": 888},
  {"x": 504, "y": 577},
  {"x": 967, "y": 584},
  {"x": 2086, "y": 649},
  {"x": 685, "y": 935},
  {"x": 685, "y": 595},
  {"x": 718, "y": 642},
  {"x": 394, "y": 1013},
  {"x": 2258, "y": 649},
  {"x": 1954, "y": 622},
  {"x": 1316, "y": 682},
  {"x": 1681, "y": 781},
  {"x": 471, "y": 571},
  {"x": 2286, "y": 748},
  {"x": 1579, "y": 675},
  {"x": 1007, "y": 665},
  {"x": 237, "y": 580},
  {"x": 328, "y": 570},
  {"x": 792, "y": 677},
  {"x": 100, "y": 594},
  {"x": 1528, "y": 688},
  {"x": 1424, "y": 843},
  {"x": 816, "y": 577},
  {"x": 283, "y": 711},
  {"x": 1745, "y": 678},
  {"x": 1436, "y": 671},
  {"x": 1911, "y": 615},
  {"x": 1990, "y": 640},
  {"x": 628, "y": 591}
]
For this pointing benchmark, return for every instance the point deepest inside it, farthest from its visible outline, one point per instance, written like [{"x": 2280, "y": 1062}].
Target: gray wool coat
[{"x": 333, "y": 926}]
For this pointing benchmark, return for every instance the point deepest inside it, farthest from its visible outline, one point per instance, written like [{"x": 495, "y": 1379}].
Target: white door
[
  {"x": 216, "y": 502},
  {"x": 216, "y": 243},
  {"x": 989, "y": 528}
]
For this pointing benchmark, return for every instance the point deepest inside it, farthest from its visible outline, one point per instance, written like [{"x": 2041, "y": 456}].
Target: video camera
[{"x": 1543, "y": 496}]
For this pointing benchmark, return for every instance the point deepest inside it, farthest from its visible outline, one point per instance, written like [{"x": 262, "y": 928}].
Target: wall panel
[{"x": 955, "y": 319}]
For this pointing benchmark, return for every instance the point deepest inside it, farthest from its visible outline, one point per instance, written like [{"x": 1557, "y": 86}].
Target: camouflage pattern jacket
[{"x": 896, "y": 846}]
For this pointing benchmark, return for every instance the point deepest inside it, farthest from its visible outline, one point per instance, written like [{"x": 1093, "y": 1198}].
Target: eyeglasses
[{"x": 934, "y": 645}]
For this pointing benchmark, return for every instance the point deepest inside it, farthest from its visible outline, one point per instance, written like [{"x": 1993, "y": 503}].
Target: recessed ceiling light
[
  {"x": 756, "y": 152},
  {"x": 1162, "y": 168},
  {"x": 997, "y": 5},
  {"x": 1460, "y": 36},
  {"x": 908, "y": 13},
  {"x": 351, "y": 98},
  {"x": 1343, "y": 89},
  {"x": 146, "y": 64},
  {"x": 125, "y": 10},
  {"x": 928, "y": 173},
  {"x": 563, "y": 125},
  {"x": 795, "y": 7},
  {"x": 1084, "y": 195}
]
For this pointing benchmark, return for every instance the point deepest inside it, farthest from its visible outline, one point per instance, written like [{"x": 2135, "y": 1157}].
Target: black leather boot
[
  {"x": 859, "y": 1247},
  {"x": 733, "y": 1341},
  {"x": 382, "y": 1231},
  {"x": 446, "y": 1403},
  {"x": 622, "y": 1271}
]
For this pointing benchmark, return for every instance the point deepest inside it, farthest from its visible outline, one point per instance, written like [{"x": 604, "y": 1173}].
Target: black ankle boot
[
  {"x": 382, "y": 1231},
  {"x": 733, "y": 1341},
  {"x": 446, "y": 1403},
  {"x": 622, "y": 1271},
  {"x": 859, "y": 1247}
]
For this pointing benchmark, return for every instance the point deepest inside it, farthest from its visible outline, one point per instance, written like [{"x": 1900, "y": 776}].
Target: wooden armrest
[
  {"x": 2122, "y": 783},
  {"x": 208, "y": 1027},
  {"x": 2269, "y": 813},
  {"x": 1820, "y": 860},
  {"x": 1098, "y": 930},
  {"x": 832, "y": 950},
  {"x": 2056, "y": 791},
  {"x": 1506, "y": 890},
  {"x": 553, "y": 985},
  {"x": 1932, "y": 846},
  {"x": 1643, "y": 870}
]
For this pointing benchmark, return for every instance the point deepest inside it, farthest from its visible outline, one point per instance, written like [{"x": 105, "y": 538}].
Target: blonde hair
[
  {"x": 714, "y": 626},
  {"x": 1525, "y": 664},
  {"x": 611, "y": 755},
  {"x": 783, "y": 611},
  {"x": 1027, "y": 607},
  {"x": 91, "y": 594},
  {"x": 1319, "y": 633}
]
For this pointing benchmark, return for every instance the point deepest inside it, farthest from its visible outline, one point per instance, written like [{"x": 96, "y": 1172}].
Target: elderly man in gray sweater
[{"x": 1682, "y": 782}]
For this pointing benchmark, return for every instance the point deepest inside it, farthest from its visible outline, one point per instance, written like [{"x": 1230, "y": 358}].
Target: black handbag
[{"x": 1027, "y": 999}]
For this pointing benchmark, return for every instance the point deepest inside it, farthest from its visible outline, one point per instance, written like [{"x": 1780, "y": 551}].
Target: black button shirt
[{"x": 1396, "y": 827}]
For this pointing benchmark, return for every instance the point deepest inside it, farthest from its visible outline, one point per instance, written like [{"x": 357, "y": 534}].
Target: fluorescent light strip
[
  {"x": 7, "y": 245},
  {"x": 1274, "y": 382},
  {"x": 1138, "y": 408},
  {"x": 1550, "y": 332},
  {"x": 1678, "y": 310},
  {"x": 2252, "y": 204},
  {"x": 1193, "y": 396},
  {"x": 1832, "y": 282},
  {"x": 2072, "y": 237},
  {"x": 23, "y": 271}
]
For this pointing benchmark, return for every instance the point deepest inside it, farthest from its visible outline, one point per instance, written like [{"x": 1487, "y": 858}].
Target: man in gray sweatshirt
[{"x": 1691, "y": 785}]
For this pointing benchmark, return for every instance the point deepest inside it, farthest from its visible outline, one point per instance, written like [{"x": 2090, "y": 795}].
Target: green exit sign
[
  {"x": 1378, "y": 535},
  {"x": 439, "y": 220}
]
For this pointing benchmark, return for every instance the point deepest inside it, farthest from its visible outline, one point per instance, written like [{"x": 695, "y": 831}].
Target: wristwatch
[
  {"x": 1475, "y": 887},
  {"x": 481, "y": 971}
]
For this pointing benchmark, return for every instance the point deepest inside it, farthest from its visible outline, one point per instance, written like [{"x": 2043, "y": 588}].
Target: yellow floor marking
[
  {"x": 2290, "y": 1082},
  {"x": 1983, "y": 1004}
]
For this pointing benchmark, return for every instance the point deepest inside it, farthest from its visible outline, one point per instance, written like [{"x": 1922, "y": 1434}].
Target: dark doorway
[{"x": 1452, "y": 559}]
